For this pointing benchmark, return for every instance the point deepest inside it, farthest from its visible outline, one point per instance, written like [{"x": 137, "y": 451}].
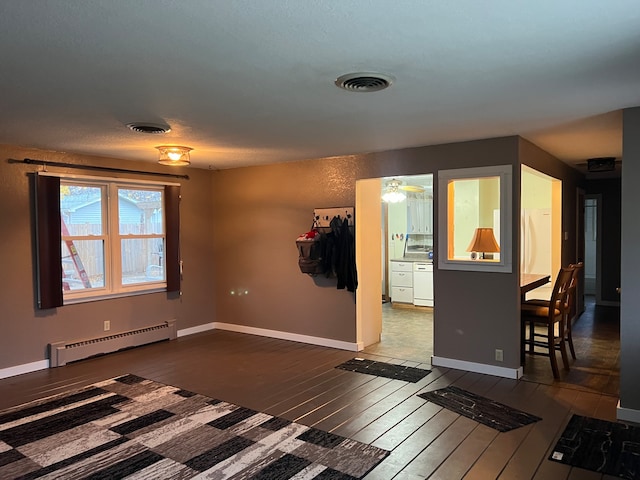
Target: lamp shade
[
  {"x": 483, "y": 241},
  {"x": 174, "y": 155}
]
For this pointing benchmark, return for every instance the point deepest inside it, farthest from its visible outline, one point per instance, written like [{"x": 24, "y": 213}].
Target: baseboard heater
[{"x": 62, "y": 353}]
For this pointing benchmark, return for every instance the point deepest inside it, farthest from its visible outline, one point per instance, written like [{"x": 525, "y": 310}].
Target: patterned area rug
[
  {"x": 133, "y": 426},
  {"x": 483, "y": 410},
  {"x": 383, "y": 369},
  {"x": 605, "y": 447}
]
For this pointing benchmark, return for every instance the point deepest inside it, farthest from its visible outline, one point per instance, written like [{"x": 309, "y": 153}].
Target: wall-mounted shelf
[{"x": 323, "y": 216}]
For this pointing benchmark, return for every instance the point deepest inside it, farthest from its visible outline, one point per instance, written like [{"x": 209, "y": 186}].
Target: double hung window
[{"x": 115, "y": 238}]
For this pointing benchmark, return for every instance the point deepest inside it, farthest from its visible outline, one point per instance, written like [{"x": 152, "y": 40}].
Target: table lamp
[{"x": 483, "y": 245}]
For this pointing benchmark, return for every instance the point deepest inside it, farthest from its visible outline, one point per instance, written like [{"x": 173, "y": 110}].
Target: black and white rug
[
  {"x": 481, "y": 409},
  {"x": 133, "y": 426},
  {"x": 383, "y": 369},
  {"x": 609, "y": 448}
]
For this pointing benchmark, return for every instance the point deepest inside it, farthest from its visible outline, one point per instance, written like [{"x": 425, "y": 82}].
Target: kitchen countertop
[{"x": 413, "y": 258}]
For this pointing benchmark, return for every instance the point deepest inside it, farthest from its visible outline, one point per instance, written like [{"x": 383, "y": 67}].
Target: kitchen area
[{"x": 408, "y": 221}]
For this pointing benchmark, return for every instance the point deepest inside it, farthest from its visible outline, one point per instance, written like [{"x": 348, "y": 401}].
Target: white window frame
[
  {"x": 504, "y": 264},
  {"x": 113, "y": 286}
]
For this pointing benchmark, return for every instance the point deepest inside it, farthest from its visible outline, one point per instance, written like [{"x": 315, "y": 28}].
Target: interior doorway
[
  {"x": 540, "y": 227},
  {"x": 592, "y": 207},
  {"x": 399, "y": 328}
]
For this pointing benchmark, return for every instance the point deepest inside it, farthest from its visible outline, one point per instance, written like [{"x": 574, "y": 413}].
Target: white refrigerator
[{"x": 535, "y": 241}]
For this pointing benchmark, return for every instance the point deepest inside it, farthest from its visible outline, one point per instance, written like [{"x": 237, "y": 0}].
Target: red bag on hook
[{"x": 309, "y": 253}]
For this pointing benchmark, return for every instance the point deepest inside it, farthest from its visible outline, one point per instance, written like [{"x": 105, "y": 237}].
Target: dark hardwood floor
[{"x": 299, "y": 382}]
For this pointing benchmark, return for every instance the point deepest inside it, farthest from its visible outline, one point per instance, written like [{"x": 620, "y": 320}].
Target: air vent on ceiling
[
  {"x": 364, "y": 82},
  {"x": 152, "y": 128}
]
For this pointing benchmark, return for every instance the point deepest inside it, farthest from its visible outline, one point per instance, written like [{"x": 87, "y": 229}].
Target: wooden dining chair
[
  {"x": 572, "y": 310},
  {"x": 552, "y": 314}
]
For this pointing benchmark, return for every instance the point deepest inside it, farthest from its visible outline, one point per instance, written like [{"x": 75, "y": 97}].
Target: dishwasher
[{"x": 423, "y": 284}]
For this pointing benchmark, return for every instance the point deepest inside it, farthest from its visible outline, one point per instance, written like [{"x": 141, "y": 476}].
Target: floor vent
[{"x": 62, "y": 353}]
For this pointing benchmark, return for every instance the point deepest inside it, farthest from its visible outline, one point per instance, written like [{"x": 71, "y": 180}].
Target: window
[
  {"x": 114, "y": 238},
  {"x": 474, "y": 230}
]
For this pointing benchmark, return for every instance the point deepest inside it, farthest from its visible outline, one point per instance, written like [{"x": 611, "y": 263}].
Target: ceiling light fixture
[
  {"x": 392, "y": 193},
  {"x": 174, "y": 155}
]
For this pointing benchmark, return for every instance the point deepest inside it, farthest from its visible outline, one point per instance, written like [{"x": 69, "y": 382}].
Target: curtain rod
[{"x": 46, "y": 163}]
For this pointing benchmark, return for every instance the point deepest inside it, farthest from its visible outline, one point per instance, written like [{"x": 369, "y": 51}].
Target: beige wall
[
  {"x": 238, "y": 234},
  {"x": 258, "y": 214},
  {"x": 26, "y": 330}
]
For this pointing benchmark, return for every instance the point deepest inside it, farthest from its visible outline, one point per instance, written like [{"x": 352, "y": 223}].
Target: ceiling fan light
[
  {"x": 174, "y": 155},
  {"x": 393, "y": 196}
]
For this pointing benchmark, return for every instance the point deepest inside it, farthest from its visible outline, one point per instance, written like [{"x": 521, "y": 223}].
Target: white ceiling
[{"x": 248, "y": 82}]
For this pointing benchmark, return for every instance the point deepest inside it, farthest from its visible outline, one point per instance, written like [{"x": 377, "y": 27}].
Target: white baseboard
[
  {"x": 504, "y": 372},
  {"x": 627, "y": 414},
  {"x": 200, "y": 328},
  {"x": 324, "y": 342},
  {"x": 294, "y": 337},
  {"x": 24, "y": 368}
]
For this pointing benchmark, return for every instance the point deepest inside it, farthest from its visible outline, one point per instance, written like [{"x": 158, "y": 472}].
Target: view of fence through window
[{"x": 108, "y": 244}]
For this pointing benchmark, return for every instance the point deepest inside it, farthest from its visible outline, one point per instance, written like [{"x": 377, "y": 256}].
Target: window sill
[{"x": 97, "y": 298}]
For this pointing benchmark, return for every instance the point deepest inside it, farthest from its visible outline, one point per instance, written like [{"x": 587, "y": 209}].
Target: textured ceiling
[{"x": 248, "y": 82}]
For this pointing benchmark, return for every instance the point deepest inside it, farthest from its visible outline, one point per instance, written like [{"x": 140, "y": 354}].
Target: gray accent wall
[{"x": 630, "y": 268}]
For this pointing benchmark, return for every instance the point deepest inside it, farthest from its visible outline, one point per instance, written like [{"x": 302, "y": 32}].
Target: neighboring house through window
[{"x": 114, "y": 236}]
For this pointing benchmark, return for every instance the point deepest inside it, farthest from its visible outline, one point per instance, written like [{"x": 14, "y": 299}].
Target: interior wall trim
[
  {"x": 295, "y": 337},
  {"x": 198, "y": 329},
  {"x": 323, "y": 342},
  {"x": 504, "y": 372},
  {"x": 24, "y": 368}
]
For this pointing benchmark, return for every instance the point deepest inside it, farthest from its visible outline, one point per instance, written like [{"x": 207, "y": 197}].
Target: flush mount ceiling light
[
  {"x": 364, "y": 81},
  {"x": 150, "y": 128},
  {"x": 392, "y": 192},
  {"x": 174, "y": 155}
]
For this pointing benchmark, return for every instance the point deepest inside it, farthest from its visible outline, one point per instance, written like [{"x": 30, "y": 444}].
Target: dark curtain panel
[
  {"x": 49, "y": 261},
  {"x": 172, "y": 221}
]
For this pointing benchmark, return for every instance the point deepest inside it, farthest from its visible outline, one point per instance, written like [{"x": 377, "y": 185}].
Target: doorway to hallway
[{"x": 591, "y": 245}]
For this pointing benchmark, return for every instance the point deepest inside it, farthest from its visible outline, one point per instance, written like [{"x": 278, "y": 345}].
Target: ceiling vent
[
  {"x": 151, "y": 128},
  {"x": 364, "y": 82}
]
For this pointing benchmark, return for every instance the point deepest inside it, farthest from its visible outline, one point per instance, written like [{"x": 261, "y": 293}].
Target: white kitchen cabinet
[
  {"x": 420, "y": 213},
  {"x": 401, "y": 281},
  {"x": 423, "y": 284}
]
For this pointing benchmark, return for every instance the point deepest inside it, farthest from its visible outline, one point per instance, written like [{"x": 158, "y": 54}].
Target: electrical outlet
[
  {"x": 107, "y": 325},
  {"x": 499, "y": 355}
]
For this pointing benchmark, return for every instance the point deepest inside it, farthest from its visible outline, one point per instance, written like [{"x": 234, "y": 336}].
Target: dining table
[{"x": 531, "y": 281}]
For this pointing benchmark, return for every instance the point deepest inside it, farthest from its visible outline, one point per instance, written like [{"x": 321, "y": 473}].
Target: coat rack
[{"x": 322, "y": 216}]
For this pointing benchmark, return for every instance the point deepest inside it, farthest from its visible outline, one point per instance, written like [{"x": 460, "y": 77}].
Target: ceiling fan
[
  {"x": 399, "y": 185},
  {"x": 392, "y": 192}
]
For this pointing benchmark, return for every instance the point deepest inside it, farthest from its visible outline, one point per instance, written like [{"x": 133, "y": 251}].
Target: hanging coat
[{"x": 345, "y": 258}]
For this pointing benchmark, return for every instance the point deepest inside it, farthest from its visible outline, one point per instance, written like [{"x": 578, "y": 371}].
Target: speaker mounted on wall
[{"x": 603, "y": 164}]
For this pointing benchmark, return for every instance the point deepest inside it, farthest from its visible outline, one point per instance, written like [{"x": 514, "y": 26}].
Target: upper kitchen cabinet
[{"x": 420, "y": 212}]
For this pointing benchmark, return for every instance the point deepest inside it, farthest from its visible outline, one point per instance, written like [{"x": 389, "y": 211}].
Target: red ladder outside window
[{"x": 75, "y": 258}]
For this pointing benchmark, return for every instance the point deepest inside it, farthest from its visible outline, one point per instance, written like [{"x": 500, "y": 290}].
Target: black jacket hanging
[{"x": 345, "y": 258}]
